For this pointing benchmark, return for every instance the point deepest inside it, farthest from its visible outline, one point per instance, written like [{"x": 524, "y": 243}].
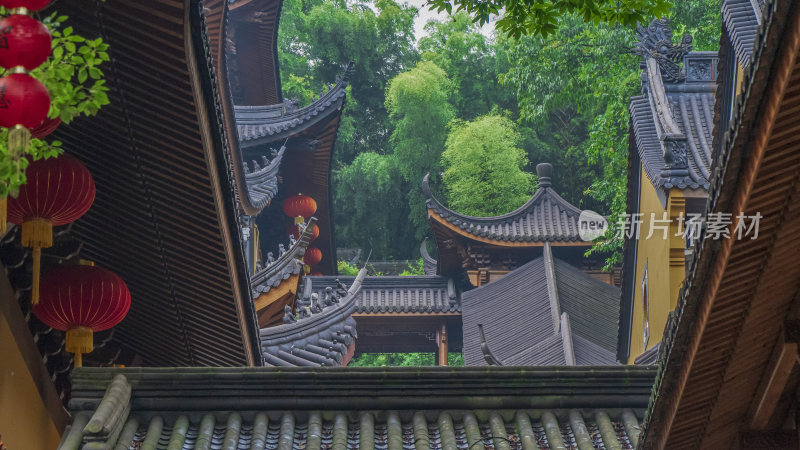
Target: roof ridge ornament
[
  {"x": 545, "y": 173},
  {"x": 655, "y": 42}
]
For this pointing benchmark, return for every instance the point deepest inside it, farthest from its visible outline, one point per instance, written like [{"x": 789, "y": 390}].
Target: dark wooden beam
[{"x": 778, "y": 373}]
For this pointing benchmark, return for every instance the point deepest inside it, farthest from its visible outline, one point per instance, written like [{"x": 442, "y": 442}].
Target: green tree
[
  {"x": 543, "y": 17},
  {"x": 484, "y": 169},
  {"x": 403, "y": 360},
  {"x": 414, "y": 269},
  {"x": 371, "y": 210},
  {"x": 472, "y": 63},
  {"x": 419, "y": 109},
  {"x": 316, "y": 39}
]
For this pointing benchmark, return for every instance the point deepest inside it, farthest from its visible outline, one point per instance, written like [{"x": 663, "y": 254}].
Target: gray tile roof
[
  {"x": 320, "y": 337},
  {"x": 672, "y": 119},
  {"x": 543, "y": 313},
  {"x": 258, "y": 125},
  {"x": 545, "y": 217},
  {"x": 396, "y": 294},
  {"x": 288, "y": 263},
  {"x": 742, "y": 18},
  {"x": 369, "y": 408}
]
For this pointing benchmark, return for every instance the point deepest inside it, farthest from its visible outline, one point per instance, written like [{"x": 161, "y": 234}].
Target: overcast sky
[{"x": 425, "y": 15}]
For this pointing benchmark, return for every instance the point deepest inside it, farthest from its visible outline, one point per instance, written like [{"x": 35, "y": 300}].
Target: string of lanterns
[
  {"x": 76, "y": 299},
  {"x": 25, "y": 44},
  {"x": 301, "y": 207}
]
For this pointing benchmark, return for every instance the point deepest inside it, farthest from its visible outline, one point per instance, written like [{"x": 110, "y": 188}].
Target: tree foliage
[
  {"x": 75, "y": 81},
  {"x": 419, "y": 109},
  {"x": 403, "y": 360},
  {"x": 484, "y": 169},
  {"x": 318, "y": 37},
  {"x": 371, "y": 207},
  {"x": 543, "y": 17}
]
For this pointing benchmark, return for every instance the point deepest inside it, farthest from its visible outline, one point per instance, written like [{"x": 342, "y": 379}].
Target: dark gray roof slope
[
  {"x": 414, "y": 294},
  {"x": 321, "y": 339},
  {"x": 258, "y": 125},
  {"x": 363, "y": 408},
  {"x": 543, "y": 313},
  {"x": 742, "y": 18},
  {"x": 672, "y": 119},
  {"x": 288, "y": 263},
  {"x": 545, "y": 217}
]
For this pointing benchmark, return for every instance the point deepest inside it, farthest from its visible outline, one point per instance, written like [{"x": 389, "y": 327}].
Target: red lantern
[
  {"x": 59, "y": 191},
  {"x": 294, "y": 231},
  {"x": 48, "y": 126},
  {"x": 81, "y": 300},
  {"x": 315, "y": 274},
  {"x": 299, "y": 206},
  {"x": 24, "y": 42},
  {"x": 313, "y": 256},
  {"x": 33, "y": 5},
  {"x": 23, "y": 101}
]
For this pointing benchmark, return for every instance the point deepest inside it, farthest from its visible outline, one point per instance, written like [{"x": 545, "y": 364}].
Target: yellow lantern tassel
[
  {"x": 19, "y": 138},
  {"x": 3, "y": 215},
  {"x": 299, "y": 220},
  {"x": 37, "y": 270},
  {"x": 79, "y": 340},
  {"x": 37, "y": 234}
]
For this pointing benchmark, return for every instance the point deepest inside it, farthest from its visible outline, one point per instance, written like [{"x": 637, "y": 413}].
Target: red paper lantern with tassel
[
  {"x": 59, "y": 191},
  {"x": 24, "y": 103},
  {"x": 24, "y": 41},
  {"x": 33, "y": 5},
  {"x": 313, "y": 256},
  {"x": 300, "y": 207},
  {"x": 81, "y": 300}
]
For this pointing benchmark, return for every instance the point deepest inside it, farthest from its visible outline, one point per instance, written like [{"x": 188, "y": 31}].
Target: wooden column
[{"x": 441, "y": 343}]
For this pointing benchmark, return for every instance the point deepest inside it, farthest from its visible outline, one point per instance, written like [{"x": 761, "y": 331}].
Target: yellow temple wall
[
  {"x": 665, "y": 267},
  {"x": 25, "y": 422}
]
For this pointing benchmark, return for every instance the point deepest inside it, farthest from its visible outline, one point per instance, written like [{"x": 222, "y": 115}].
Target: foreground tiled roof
[
  {"x": 396, "y": 294},
  {"x": 545, "y": 217},
  {"x": 322, "y": 335},
  {"x": 543, "y": 313},
  {"x": 372, "y": 408},
  {"x": 742, "y": 18},
  {"x": 673, "y": 118}
]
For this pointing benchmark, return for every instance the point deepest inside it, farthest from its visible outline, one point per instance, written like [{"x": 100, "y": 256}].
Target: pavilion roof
[
  {"x": 395, "y": 408},
  {"x": 425, "y": 294},
  {"x": 546, "y": 217},
  {"x": 263, "y": 124},
  {"x": 672, "y": 119},
  {"x": 321, "y": 336},
  {"x": 546, "y": 312}
]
